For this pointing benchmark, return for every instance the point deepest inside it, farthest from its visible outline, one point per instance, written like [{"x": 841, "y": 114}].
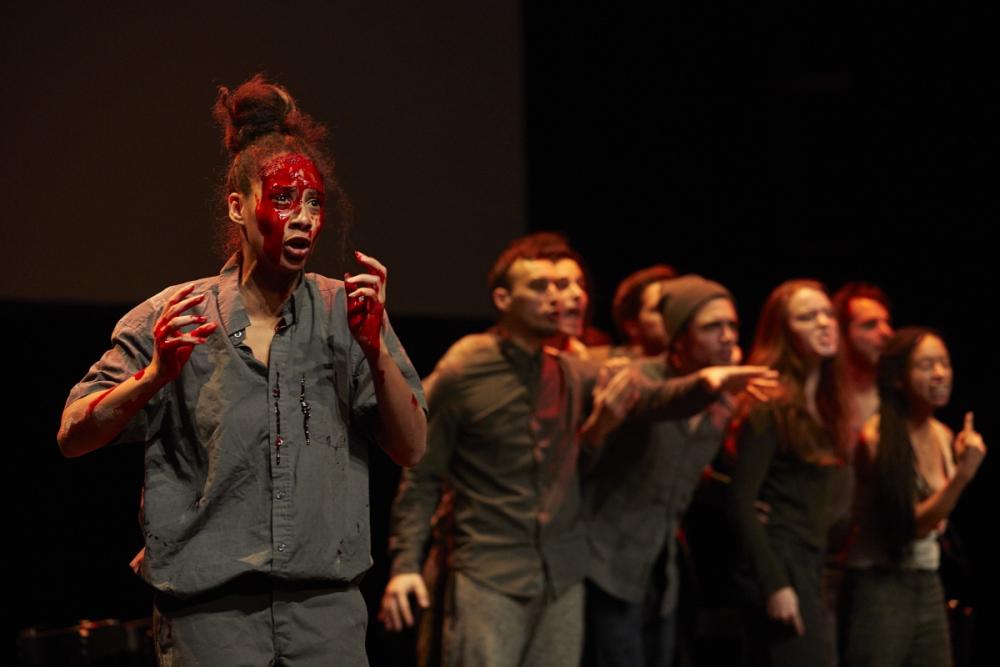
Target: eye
[{"x": 539, "y": 285}]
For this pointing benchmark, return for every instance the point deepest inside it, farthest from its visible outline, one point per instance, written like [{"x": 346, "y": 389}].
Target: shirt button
[
  {"x": 279, "y": 495},
  {"x": 281, "y": 547}
]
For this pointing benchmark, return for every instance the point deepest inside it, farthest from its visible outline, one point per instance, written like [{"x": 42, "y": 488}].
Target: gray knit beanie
[{"x": 681, "y": 297}]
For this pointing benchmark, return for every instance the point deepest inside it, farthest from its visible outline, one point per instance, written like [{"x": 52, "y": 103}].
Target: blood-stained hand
[
  {"x": 173, "y": 347},
  {"x": 366, "y": 304}
]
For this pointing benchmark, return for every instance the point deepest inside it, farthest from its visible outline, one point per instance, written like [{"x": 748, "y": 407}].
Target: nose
[
  {"x": 823, "y": 319},
  {"x": 301, "y": 219},
  {"x": 729, "y": 333}
]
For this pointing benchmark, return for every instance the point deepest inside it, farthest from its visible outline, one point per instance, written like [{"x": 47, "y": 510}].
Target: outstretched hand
[
  {"x": 366, "y": 304},
  {"x": 755, "y": 380},
  {"x": 173, "y": 347}
]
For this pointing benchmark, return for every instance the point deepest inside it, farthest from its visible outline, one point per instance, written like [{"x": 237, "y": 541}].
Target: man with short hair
[
  {"x": 636, "y": 311},
  {"x": 863, "y": 314},
  {"x": 503, "y": 432},
  {"x": 634, "y": 500}
]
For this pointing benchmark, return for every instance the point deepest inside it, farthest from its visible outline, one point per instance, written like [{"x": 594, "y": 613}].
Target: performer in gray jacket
[{"x": 635, "y": 498}]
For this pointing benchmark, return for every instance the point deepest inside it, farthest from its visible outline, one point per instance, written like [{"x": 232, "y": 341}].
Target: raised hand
[
  {"x": 366, "y": 304},
  {"x": 969, "y": 449},
  {"x": 173, "y": 347},
  {"x": 615, "y": 394}
]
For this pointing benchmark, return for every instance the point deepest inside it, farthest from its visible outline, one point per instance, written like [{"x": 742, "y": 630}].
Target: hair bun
[{"x": 257, "y": 108}]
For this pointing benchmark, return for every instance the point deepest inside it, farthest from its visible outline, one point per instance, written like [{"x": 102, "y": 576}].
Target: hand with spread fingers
[
  {"x": 396, "y": 613},
  {"x": 173, "y": 347},
  {"x": 615, "y": 394},
  {"x": 366, "y": 304}
]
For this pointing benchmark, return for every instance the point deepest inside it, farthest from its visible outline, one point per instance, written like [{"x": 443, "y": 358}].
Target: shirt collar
[
  {"x": 525, "y": 363},
  {"x": 233, "y": 313}
]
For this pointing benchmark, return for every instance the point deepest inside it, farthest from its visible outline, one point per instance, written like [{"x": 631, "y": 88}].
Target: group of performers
[{"x": 547, "y": 474}]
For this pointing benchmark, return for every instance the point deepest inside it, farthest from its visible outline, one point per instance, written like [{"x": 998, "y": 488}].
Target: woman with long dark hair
[
  {"x": 256, "y": 394},
  {"x": 911, "y": 472},
  {"x": 788, "y": 449}
]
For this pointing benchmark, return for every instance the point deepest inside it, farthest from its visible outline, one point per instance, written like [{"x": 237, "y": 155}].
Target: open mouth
[
  {"x": 298, "y": 243},
  {"x": 297, "y": 247}
]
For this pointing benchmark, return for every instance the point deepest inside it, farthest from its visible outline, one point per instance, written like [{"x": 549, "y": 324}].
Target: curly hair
[{"x": 259, "y": 120}]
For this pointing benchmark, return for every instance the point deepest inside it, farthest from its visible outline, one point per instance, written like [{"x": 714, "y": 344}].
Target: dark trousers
[
  {"x": 893, "y": 618},
  {"x": 775, "y": 644},
  {"x": 627, "y": 634},
  {"x": 259, "y": 623}
]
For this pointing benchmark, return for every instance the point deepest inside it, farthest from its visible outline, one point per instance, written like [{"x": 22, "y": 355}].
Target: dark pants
[
  {"x": 893, "y": 618},
  {"x": 259, "y": 623},
  {"x": 627, "y": 634},
  {"x": 776, "y": 644}
]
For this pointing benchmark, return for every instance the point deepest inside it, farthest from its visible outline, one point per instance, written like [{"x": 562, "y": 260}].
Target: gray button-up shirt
[
  {"x": 635, "y": 498},
  {"x": 503, "y": 433},
  {"x": 220, "y": 498}
]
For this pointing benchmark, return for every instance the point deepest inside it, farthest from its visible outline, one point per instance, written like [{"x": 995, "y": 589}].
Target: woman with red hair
[{"x": 788, "y": 449}]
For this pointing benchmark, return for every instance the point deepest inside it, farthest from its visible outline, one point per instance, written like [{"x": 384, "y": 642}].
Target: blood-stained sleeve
[{"x": 130, "y": 353}]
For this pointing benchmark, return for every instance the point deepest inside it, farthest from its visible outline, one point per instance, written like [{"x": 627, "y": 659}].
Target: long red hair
[{"x": 774, "y": 346}]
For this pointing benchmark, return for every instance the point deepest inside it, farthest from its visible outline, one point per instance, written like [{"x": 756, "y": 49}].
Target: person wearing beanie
[
  {"x": 509, "y": 435},
  {"x": 636, "y": 497}
]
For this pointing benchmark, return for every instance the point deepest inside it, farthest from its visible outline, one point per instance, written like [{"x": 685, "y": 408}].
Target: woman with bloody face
[
  {"x": 911, "y": 472},
  {"x": 788, "y": 450},
  {"x": 257, "y": 394}
]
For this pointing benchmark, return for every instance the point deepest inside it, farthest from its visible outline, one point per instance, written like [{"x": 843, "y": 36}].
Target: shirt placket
[{"x": 283, "y": 390}]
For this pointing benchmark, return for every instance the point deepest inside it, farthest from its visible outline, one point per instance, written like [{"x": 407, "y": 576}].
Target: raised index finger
[
  {"x": 370, "y": 263},
  {"x": 969, "y": 426}
]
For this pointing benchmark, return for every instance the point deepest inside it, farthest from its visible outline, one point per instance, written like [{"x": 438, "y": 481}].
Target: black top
[{"x": 796, "y": 490}]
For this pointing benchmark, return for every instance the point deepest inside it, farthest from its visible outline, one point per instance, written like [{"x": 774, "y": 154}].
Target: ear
[
  {"x": 234, "y": 203},
  {"x": 501, "y": 299}
]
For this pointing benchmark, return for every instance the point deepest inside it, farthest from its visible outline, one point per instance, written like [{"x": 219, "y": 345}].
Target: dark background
[{"x": 750, "y": 145}]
